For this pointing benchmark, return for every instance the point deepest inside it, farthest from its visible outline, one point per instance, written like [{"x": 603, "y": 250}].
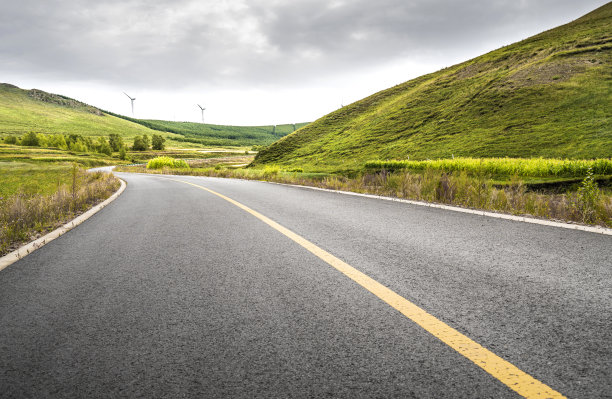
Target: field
[
  {"x": 38, "y": 196},
  {"x": 32, "y": 178},
  {"x": 41, "y": 188},
  {"x": 547, "y": 96}
]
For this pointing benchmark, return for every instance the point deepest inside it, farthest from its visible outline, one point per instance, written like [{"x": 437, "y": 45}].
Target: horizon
[{"x": 269, "y": 71}]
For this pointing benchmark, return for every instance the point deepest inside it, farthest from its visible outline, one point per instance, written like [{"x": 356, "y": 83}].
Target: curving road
[{"x": 173, "y": 291}]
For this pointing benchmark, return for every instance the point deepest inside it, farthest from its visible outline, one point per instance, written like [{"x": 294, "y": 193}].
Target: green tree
[
  {"x": 10, "y": 139},
  {"x": 146, "y": 141},
  {"x": 139, "y": 144},
  {"x": 115, "y": 141},
  {"x": 30, "y": 139},
  {"x": 78, "y": 146},
  {"x": 103, "y": 147},
  {"x": 59, "y": 141},
  {"x": 158, "y": 142},
  {"x": 122, "y": 153}
]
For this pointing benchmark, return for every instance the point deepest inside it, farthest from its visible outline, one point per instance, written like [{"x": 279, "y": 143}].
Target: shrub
[
  {"x": 78, "y": 146},
  {"x": 145, "y": 141},
  {"x": 104, "y": 147},
  {"x": 270, "y": 171},
  {"x": 115, "y": 141},
  {"x": 161, "y": 162},
  {"x": 158, "y": 142},
  {"x": 587, "y": 198},
  {"x": 30, "y": 139},
  {"x": 59, "y": 141},
  {"x": 140, "y": 144},
  {"x": 10, "y": 139}
]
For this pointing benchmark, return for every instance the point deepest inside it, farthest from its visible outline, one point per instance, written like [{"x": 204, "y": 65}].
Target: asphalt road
[{"x": 171, "y": 291}]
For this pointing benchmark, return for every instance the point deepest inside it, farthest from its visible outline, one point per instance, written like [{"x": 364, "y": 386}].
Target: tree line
[{"x": 80, "y": 143}]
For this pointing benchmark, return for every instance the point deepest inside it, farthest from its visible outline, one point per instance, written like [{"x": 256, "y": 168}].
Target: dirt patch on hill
[{"x": 550, "y": 72}]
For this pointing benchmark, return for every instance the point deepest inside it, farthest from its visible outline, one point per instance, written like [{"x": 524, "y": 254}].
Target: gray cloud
[{"x": 177, "y": 43}]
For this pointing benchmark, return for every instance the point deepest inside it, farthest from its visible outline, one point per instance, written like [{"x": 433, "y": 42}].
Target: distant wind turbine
[
  {"x": 132, "y": 100},
  {"x": 202, "y": 109}
]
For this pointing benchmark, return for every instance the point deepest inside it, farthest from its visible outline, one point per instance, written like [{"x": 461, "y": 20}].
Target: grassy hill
[
  {"x": 546, "y": 96},
  {"x": 22, "y": 111},
  {"x": 220, "y": 135}
]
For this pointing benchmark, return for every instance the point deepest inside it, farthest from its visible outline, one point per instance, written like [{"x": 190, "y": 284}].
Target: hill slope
[
  {"x": 549, "y": 95},
  {"x": 22, "y": 111},
  {"x": 224, "y": 135}
]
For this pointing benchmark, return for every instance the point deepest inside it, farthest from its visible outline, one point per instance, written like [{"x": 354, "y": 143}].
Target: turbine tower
[
  {"x": 202, "y": 109},
  {"x": 132, "y": 100}
]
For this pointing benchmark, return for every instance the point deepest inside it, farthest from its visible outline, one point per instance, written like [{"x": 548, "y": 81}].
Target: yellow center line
[{"x": 516, "y": 379}]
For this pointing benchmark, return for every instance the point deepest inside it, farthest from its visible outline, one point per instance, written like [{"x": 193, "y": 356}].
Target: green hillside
[
  {"x": 547, "y": 96},
  {"x": 22, "y": 111},
  {"x": 221, "y": 135}
]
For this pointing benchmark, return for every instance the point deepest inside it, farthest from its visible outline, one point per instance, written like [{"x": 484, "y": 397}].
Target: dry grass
[
  {"x": 589, "y": 206},
  {"x": 24, "y": 217}
]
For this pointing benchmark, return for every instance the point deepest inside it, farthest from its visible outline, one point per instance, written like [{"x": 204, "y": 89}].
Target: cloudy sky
[{"x": 252, "y": 61}]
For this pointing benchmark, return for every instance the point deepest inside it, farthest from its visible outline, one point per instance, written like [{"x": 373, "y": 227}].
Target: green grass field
[
  {"x": 32, "y": 177},
  {"x": 547, "y": 96},
  {"x": 51, "y": 155}
]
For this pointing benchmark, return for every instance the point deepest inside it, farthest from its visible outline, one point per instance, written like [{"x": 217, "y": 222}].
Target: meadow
[{"x": 42, "y": 188}]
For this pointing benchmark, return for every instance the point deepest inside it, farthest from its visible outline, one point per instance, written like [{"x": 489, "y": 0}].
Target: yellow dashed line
[{"x": 516, "y": 379}]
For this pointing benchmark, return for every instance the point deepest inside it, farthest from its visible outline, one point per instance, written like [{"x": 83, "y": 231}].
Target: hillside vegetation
[
  {"x": 221, "y": 135},
  {"x": 23, "y": 111},
  {"x": 547, "y": 96}
]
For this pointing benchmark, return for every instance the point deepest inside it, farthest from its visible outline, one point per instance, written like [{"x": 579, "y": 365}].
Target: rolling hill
[
  {"x": 22, "y": 111},
  {"x": 547, "y": 96},
  {"x": 220, "y": 135}
]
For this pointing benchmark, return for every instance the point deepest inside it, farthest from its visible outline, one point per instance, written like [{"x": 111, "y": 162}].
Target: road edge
[
  {"x": 495, "y": 215},
  {"x": 27, "y": 249},
  {"x": 524, "y": 219}
]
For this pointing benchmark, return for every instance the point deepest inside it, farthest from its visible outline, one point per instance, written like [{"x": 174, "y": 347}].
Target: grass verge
[
  {"x": 25, "y": 216},
  {"x": 589, "y": 204}
]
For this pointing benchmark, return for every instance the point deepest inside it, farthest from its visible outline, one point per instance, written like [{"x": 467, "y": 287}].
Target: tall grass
[
  {"x": 589, "y": 205},
  {"x": 25, "y": 216},
  {"x": 538, "y": 167}
]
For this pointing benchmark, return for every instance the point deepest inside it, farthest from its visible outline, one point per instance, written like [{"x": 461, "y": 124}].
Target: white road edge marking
[
  {"x": 592, "y": 229},
  {"x": 27, "y": 249}
]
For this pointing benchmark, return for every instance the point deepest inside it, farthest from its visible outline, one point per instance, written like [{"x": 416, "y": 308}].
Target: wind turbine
[
  {"x": 201, "y": 108},
  {"x": 132, "y": 100}
]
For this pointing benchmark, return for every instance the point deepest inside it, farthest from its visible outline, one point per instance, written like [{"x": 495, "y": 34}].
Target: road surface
[{"x": 173, "y": 291}]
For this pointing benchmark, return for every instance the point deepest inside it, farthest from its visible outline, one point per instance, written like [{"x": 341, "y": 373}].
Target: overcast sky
[{"x": 252, "y": 62}]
